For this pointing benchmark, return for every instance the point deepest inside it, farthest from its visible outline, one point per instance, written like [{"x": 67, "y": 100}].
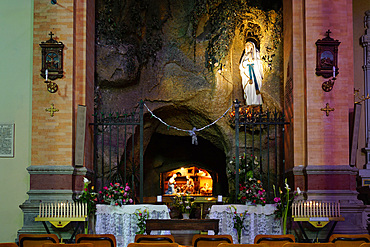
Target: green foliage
[
  {"x": 89, "y": 197},
  {"x": 250, "y": 186},
  {"x": 238, "y": 220},
  {"x": 141, "y": 218},
  {"x": 134, "y": 22},
  {"x": 183, "y": 203}
]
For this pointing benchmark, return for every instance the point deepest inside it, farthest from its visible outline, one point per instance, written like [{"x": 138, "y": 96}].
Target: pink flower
[
  {"x": 130, "y": 200},
  {"x": 125, "y": 194},
  {"x": 116, "y": 203},
  {"x": 105, "y": 187},
  {"x": 127, "y": 188},
  {"x": 277, "y": 199}
]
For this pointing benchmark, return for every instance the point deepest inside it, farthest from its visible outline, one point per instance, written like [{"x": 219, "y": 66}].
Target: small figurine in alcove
[
  {"x": 251, "y": 71},
  {"x": 171, "y": 185},
  {"x": 189, "y": 184}
]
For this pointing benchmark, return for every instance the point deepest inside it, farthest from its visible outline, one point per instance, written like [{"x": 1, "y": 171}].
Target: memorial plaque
[{"x": 7, "y": 140}]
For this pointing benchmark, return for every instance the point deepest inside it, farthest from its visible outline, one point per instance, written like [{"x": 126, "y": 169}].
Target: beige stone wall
[
  {"x": 53, "y": 137},
  {"x": 321, "y": 139},
  {"x": 52, "y": 140}
]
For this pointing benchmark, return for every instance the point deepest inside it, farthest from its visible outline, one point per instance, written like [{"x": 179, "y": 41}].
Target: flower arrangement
[
  {"x": 141, "y": 220},
  {"x": 284, "y": 203},
  {"x": 116, "y": 194},
  {"x": 183, "y": 203},
  {"x": 89, "y": 197},
  {"x": 238, "y": 220},
  {"x": 252, "y": 191},
  {"x": 250, "y": 188}
]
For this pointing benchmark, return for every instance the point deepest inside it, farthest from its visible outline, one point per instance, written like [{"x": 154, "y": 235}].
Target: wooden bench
[{"x": 177, "y": 224}]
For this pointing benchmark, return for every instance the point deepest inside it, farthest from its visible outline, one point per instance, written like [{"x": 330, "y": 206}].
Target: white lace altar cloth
[
  {"x": 122, "y": 222},
  {"x": 260, "y": 220}
]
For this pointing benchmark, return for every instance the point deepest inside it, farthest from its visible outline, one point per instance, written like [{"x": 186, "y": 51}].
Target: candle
[
  {"x": 305, "y": 209},
  {"x": 159, "y": 198},
  {"x": 46, "y": 74},
  {"x": 334, "y": 71},
  {"x": 338, "y": 209},
  {"x": 67, "y": 209},
  {"x": 219, "y": 198}
]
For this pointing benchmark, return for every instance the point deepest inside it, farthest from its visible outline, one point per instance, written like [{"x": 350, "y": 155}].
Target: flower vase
[
  {"x": 283, "y": 225},
  {"x": 239, "y": 232},
  {"x": 185, "y": 215}
]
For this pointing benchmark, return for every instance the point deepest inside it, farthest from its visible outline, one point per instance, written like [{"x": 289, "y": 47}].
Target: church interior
[{"x": 183, "y": 105}]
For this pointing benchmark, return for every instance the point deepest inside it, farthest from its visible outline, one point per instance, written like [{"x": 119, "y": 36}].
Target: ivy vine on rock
[
  {"x": 132, "y": 22},
  {"x": 225, "y": 17}
]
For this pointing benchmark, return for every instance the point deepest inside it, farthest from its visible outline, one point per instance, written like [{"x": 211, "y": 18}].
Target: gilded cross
[
  {"x": 327, "y": 109},
  {"x": 52, "y": 109}
]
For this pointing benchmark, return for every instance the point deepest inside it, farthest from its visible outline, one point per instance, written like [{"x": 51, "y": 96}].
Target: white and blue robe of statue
[{"x": 251, "y": 71}]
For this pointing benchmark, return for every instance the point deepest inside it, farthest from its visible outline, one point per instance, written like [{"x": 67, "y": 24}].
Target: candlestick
[{"x": 46, "y": 74}]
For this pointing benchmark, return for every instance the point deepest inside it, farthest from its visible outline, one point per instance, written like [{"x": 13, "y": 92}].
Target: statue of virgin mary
[{"x": 251, "y": 71}]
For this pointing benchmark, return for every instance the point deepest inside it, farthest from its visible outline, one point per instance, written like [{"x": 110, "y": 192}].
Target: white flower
[
  {"x": 287, "y": 187},
  {"x": 86, "y": 181},
  {"x": 299, "y": 191}
]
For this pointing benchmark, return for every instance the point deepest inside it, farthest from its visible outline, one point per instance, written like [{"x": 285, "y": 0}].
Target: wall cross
[
  {"x": 52, "y": 109},
  {"x": 327, "y": 109}
]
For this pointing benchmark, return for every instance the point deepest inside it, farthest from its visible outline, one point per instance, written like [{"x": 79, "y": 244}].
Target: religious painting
[
  {"x": 327, "y": 56},
  {"x": 52, "y": 59}
]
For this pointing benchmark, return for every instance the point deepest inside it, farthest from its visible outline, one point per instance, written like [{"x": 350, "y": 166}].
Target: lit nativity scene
[{"x": 217, "y": 119}]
